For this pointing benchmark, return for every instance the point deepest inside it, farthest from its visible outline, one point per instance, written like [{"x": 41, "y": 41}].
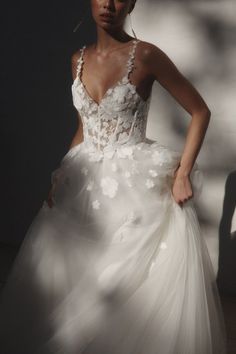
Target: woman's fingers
[{"x": 182, "y": 190}]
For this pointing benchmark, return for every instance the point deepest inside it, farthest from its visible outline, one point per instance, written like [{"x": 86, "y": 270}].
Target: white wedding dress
[{"x": 116, "y": 266}]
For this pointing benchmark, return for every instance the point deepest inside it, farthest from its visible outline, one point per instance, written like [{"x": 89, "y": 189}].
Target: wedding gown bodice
[{"x": 120, "y": 117}]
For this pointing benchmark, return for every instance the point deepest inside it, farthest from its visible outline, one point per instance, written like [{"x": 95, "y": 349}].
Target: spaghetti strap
[
  {"x": 130, "y": 63},
  {"x": 80, "y": 61}
]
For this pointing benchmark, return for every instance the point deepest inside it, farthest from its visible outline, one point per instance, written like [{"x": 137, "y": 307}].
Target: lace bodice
[{"x": 121, "y": 116}]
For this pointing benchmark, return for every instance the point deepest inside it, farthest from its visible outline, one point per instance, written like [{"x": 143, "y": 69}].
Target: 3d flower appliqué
[
  {"x": 109, "y": 186},
  {"x": 125, "y": 152},
  {"x": 84, "y": 170},
  {"x": 119, "y": 94},
  {"x": 163, "y": 245},
  {"x": 159, "y": 157},
  {"x": 96, "y": 156},
  {"x": 90, "y": 185},
  {"x": 153, "y": 173},
  {"x": 131, "y": 88},
  {"x": 123, "y": 137},
  {"x": 122, "y": 92},
  {"x": 96, "y": 204},
  {"x": 149, "y": 183},
  {"x": 132, "y": 217},
  {"x": 127, "y": 174}
]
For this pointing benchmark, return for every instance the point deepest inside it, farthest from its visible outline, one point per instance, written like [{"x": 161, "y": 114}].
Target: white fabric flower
[
  {"x": 120, "y": 93},
  {"x": 95, "y": 156},
  {"x": 158, "y": 157},
  {"x": 128, "y": 150},
  {"x": 149, "y": 183},
  {"x": 153, "y": 173},
  {"x": 79, "y": 99},
  {"x": 127, "y": 174},
  {"x": 132, "y": 88},
  {"x": 163, "y": 245},
  {"x": 124, "y": 152},
  {"x": 90, "y": 185},
  {"x": 109, "y": 186},
  {"x": 84, "y": 170},
  {"x": 96, "y": 204},
  {"x": 80, "y": 89},
  {"x": 130, "y": 217},
  {"x": 123, "y": 136},
  {"x": 127, "y": 124}
]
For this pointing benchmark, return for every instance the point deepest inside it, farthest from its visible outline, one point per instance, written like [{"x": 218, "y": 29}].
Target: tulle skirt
[{"x": 116, "y": 266}]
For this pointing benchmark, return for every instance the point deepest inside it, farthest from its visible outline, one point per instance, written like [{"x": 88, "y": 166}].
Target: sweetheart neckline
[{"x": 118, "y": 83}]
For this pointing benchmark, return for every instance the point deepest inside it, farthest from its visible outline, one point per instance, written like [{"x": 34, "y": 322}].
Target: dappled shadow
[{"x": 200, "y": 39}]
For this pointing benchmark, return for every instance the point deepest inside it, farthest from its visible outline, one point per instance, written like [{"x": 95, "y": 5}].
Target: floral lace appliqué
[
  {"x": 109, "y": 186},
  {"x": 90, "y": 185},
  {"x": 149, "y": 183},
  {"x": 119, "y": 119},
  {"x": 96, "y": 204}
]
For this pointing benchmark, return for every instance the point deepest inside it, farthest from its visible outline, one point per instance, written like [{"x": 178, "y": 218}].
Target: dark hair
[{"x": 133, "y": 4}]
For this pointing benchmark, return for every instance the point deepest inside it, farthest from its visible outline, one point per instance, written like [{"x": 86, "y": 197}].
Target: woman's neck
[{"x": 108, "y": 40}]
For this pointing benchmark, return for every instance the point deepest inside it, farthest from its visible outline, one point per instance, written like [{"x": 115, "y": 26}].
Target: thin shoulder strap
[
  {"x": 130, "y": 63},
  {"x": 80, "y": 61}
]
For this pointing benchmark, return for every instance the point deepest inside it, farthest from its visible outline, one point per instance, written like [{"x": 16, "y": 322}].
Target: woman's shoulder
[
  {"x": 76, "y": 55},
  {"x": 147, "y": 51}
]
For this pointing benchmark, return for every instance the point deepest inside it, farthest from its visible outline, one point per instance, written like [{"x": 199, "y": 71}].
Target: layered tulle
[{"x": 116, "y": 266}]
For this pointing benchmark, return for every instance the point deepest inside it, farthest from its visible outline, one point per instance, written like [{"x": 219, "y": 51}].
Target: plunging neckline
[
  {"x": 123, "y": 81},
  {"x": 118, "y": 83}
]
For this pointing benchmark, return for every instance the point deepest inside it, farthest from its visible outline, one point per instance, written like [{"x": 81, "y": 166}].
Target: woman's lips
[{"x": 107, "y": 17}]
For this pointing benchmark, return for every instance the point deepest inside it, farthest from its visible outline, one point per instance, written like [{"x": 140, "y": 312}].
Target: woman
[{"x": 115, "y": 262}]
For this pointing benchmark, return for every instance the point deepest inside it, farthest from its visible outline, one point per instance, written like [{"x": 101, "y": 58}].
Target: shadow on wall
[
  {"x": 38, "y": 119},
  {"x": 226, "y": 279},
  {"x": 200, "y": 38}
]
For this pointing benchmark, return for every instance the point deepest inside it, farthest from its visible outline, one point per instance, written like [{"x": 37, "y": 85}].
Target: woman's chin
[{"x": 106, "y": 25}]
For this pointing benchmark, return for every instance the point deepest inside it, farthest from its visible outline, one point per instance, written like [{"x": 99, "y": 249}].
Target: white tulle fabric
[{"x": 116, "y": 266}]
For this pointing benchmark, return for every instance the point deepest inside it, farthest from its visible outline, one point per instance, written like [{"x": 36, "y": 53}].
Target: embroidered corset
[{"x": 121, "y": 116}]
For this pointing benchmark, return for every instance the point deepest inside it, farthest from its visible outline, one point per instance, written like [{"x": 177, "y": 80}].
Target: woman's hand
[{"x": 182, "y": 188}]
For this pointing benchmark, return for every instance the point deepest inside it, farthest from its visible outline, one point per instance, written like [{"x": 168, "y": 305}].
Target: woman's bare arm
[{"x": 167, "y": 74}]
